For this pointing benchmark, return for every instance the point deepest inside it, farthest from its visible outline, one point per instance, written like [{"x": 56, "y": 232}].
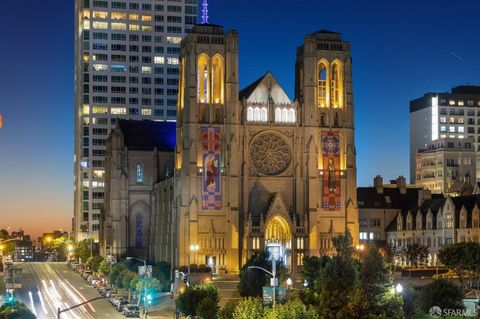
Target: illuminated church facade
[{"x": 255, "y": 170}]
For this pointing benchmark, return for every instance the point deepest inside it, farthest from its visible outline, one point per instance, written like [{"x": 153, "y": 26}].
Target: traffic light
[
  {"x": 185, "y": 279},
  {"x": 10, "y": 297}
]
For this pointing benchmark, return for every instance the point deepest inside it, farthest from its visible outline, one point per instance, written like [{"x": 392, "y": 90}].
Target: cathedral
[
  {"x": 250, "y": 170},
  {"x": 255, "y": 170}
]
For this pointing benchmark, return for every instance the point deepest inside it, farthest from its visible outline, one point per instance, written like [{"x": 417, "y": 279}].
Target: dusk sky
[{"x": 400, "y": 49}]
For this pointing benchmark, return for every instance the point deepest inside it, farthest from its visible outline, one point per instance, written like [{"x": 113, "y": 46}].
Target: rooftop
[{"x": 147, "y": 135}]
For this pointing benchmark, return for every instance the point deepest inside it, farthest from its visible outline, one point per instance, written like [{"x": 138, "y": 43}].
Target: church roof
[
  {"x": 147, "y": 135},
  {"x": 264, "y": 90}
]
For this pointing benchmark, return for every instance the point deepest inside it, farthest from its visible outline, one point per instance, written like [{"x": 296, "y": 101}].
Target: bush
[
  {"x": 249, "y": 308},
  {"x": 189, "y": 301},
  {"x": 442, "y": 293},
  {"x": 208, "y": 308},
  {"x": 227, "y": 311},
  {"x": 293, "y": 309},
  {"x": 15, "y": 310}
]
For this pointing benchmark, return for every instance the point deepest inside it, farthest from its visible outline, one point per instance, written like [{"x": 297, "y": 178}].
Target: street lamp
[
  {"x": 273, "y": 274},
  {"x": 399, "y": 288},
  {"x": 194, "y": 248},
  {"x": 145, "y": 304},
  {"x": 289, "y": 285}
]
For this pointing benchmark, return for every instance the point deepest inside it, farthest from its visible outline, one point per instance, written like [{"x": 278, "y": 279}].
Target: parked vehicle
[{"x": 131, "y": 311}]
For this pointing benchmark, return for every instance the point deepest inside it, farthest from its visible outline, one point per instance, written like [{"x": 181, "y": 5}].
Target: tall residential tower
[{"x": 126, "y": 66}]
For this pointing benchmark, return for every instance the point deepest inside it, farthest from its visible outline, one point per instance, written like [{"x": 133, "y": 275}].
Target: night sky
[{"x": 400, "y": 49}]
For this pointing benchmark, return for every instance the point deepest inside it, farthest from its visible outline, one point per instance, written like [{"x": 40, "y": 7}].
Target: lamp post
[
  {"x": 195, "y": 249},
  {"x": 289, "y": 285},
  {"x": 273, "y": 274},
  {"x": 145, "y": 305}
]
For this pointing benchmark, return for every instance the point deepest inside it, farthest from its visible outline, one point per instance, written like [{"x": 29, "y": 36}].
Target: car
[
  {"x": 120, "y": 304},
  {"x": 131, "y": 311}
]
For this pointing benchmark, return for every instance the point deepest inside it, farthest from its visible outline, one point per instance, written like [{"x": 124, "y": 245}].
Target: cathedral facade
[{"x": 255, "y": 170}]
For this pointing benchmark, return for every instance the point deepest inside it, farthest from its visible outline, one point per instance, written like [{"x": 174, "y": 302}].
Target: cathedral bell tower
[
  {"x": 207, "y": 169},
  {"x": 323, "y": 88}
]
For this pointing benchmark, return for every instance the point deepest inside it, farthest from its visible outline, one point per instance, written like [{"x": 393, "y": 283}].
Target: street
[{"x": 48, "y": 286}]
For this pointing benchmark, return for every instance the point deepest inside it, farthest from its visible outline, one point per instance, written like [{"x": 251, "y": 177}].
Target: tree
[
  {"x": 162, "y": 271},
  {"x": 249, "y": 308},
  {"x": 208, "y": 308},
  {"x": 412, "y": 306},
  {"x": 94, "y": 262},
  {"x": 293, "y": 309},
  {"x": 189, "y": 301},
  {"x": 415, "y": 255},
  {"x": 464, "y": 260},
  {"x": 9, "y": 247},
  {"x": 83, "y": 249},
  {"x": 252, "y": 280},
  {"x": 227, "y": 311},
  {"x": 116, "y": 271},
  {"x": 376, "y": 283},
  {"x": 441, "y": 293},
  {"x": 312, "y": 269},
  {"x": 104, "y": 267},
  {"x": 15, "y": 310}
]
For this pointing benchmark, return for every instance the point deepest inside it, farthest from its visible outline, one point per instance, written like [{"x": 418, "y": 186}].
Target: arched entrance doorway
[{"x": 278, "y": 239}]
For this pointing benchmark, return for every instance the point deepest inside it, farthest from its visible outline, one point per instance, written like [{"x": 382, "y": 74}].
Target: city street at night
[{"x": 47, "y": 286}]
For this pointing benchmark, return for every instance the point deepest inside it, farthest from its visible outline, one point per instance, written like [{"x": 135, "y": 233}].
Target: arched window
[
  {"x": 250, "y": 114},
  {"x": 429, "y": 220},
  {"x": 203, "y": 79},
  {"x": 336, "y": 87},
  {"x": 439, "y": 221},
  {"x": 278, "y": 114},
  {"x": 419, "y": 224},
  {"x": 256, "y": 114},
  {"x": 322, "y": 85},
  {"x": 284, "y": 115},
  {"x": 139, "y": 173},
  {"x": 409, "y": 221},
  {"x": 291, "y": 116},
  {"x": 399, "y": 222},
  {"x": 463, "y": 219},
  {"x": 218, "y": 79},
  {"x": 139, "y": 231},
  {"x": 263, "y": 114}
]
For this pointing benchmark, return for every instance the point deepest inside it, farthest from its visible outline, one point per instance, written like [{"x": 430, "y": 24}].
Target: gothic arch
[
  {"x": 336, "y": 84},
  {"x": 139, "y": 224},
  {"x": 323, "y": 85},
  {"x": 218, "y": 79},
  {"x": 203, "y": 78}
]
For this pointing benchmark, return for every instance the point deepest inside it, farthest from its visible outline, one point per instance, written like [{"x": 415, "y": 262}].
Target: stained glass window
[
  {"x": 139, "y": 238},
  {"x": 139, "y": 173}
]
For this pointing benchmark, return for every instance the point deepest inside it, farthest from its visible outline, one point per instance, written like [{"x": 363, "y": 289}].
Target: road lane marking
[
  {"x": 32, "y": 304},
  {"x": 42, "y": 302}
]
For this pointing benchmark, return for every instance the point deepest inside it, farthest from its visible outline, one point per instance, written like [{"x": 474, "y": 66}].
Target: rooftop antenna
[{"x": 205, "y": 12}]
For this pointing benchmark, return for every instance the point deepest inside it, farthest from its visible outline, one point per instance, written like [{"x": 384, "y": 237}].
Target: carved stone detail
[{"x": 270, "y": 154}]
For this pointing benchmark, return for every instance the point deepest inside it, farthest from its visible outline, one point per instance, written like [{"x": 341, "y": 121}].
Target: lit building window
[
  {"x": 100, "y": 14},
  {"x": 146, "y": 18},
  {"x": 86, "y": 109},
  {"x": 263, "y": 114},
  {"x": 451, "y": 102},
  {"x": 203, "y": 94},
  {"x": 118, "y": 110},
  {"x": 100, "y": 67},
  {"x": 451, "y": 129},
  {"x": 284, "y": 115},
  {"x": 146, "y": 69},
  {"x": 98, "y": 174},
  {"x": 146, "y": 112},
  {"x": 172, "y": 61},
  {"x": 133, "y": 16},
  {"x": 119, "y": 16},
  {"x": 134, "y": 27},
  {"x": 174, "y": 40},
  {"x": 322, "y": 85},
  {"x": 99, "y": 110},
  {"x": 100, "y": 25},
  {"x": 336, "y": 86},
  {"x": 119, "y": 26},
  {"x": 159, "y": 60},
  {"x": 86, "y": 24},
  {"x": 139, "y": 173},
  {"x": 461, "y": 103},
  {"x": 363, "y": 236},
  {"x": 146, "y": 28},
  {"x": 461, "y": 129},
  {"x": 218, "y": 79}
]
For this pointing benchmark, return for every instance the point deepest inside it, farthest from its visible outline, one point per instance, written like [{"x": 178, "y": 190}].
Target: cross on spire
[{"x": 205, "y": 12}]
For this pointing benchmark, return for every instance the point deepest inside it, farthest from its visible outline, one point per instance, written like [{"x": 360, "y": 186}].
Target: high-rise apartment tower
[{"x": 126, "y": 66}]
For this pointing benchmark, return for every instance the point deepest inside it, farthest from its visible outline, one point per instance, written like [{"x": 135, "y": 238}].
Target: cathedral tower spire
[{"x": 205, "y": 12}]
